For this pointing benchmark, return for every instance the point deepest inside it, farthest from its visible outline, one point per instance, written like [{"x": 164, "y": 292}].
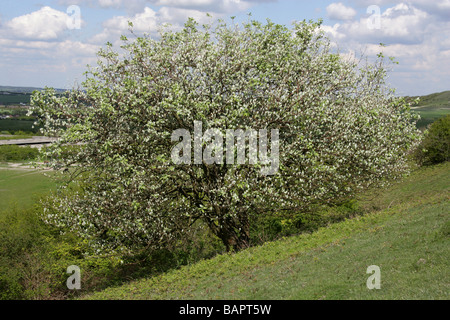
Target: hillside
[
  {"x": 23, "y": 89},
  {"x": 10, "y": 95},
  {"x": 431, "y": 107},
  {"x": 405, "y": 231},
  {"x": 438, "y": 99}
]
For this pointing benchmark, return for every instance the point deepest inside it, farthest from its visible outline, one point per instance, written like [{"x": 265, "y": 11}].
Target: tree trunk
[{"x": 234, "y": 233}]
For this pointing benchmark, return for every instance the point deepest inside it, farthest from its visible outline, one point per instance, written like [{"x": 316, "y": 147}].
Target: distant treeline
[
  {"x": 14, "y": 98},
  {"x": 18, "y": 95}
]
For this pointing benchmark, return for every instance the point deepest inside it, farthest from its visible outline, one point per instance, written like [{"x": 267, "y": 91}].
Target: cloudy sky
[{"x": 50, "y": 42}]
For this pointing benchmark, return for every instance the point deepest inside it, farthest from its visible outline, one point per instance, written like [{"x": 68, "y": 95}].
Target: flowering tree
[{"x": 340, "y": 128}]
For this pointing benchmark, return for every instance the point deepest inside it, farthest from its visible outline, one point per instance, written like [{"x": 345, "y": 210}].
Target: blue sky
[{"x": 41, "y": 45}]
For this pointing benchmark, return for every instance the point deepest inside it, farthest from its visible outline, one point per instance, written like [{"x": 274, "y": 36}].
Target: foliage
[
  {"x": 16, "y": 153},
  {"x": 435, "y": 147},
  {"x": 341, "y": 129},
  {"x": 34, "y": 258},
  {"x": 272, "y": 227},
  {"x": 14, "y": 125}
]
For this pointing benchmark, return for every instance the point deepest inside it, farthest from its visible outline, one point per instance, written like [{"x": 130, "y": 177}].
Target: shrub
[
  {"x": 20, "y": 233},
  {"x": 34, "y": 258},
  {"x": 17, "y": 153},
  {"x": 435, "y": 147},
  {"x": 269, "y": 228}
]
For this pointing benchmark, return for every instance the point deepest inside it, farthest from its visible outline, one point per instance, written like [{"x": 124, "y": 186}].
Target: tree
[
  {"x": 137, "y": 179},
  {"x": 435, "y": 146}
]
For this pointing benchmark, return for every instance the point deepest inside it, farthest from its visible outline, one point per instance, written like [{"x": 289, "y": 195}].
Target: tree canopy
[{"x": 333, "y": 127}]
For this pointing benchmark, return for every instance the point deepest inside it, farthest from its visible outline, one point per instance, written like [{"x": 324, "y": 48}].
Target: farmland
[
  {"x": 21, "y": 185},
  {"x": 432, "y": 107}
]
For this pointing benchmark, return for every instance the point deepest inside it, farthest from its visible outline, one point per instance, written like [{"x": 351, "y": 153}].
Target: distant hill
[
  {"x": 438, "y": 99},
  {"x": 12, "y": 89},
  {"x": 431, "y": 107},
  {"x": 10, "y": 95}
]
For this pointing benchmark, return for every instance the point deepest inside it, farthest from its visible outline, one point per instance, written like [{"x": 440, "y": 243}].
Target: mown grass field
[
  {"x": 405, "y": 232},
  {"x": 430, "y": 114},
  {"x": 21, "y": 187},
  {"x": 432, "y": 107}
]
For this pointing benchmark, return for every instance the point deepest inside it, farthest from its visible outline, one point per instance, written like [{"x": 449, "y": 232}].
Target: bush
[
  {"x": 270, "y": 228},
  {"x": 435, "y": 147},
  {"x": 20, "y": 233},
  {"x": 16, "y": 153},
  {"x": 34, "y": 258}
]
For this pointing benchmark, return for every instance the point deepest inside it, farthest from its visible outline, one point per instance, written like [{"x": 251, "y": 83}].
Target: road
[{"x": 30, "y": 141}]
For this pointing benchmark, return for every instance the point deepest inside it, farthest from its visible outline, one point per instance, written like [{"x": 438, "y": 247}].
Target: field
[
  {"x": 14, "y": 102},
  {"x": 17, "y": 95},
  {"x": 12, "y": 125},
  {"x": 430, "y": 114},
  {"x": 405, "y": 231},
  {"x": 20, "y": 186},
  {"x": 432, "y": 107},
  {"x": 14, "y": 98}
]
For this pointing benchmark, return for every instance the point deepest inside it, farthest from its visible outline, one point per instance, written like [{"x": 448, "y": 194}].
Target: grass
[
  {"x": 438, "y": 99},
  {"x": 429, "y": 115},
  {"x": 432, "y": 107},
  {"x": 21, "y": 187},
  {"x": 16, "y": 137},
  {"x": 405, "y": 232}
]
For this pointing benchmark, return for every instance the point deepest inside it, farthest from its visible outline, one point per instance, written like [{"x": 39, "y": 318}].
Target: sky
[{"x": 51, "y": 42}]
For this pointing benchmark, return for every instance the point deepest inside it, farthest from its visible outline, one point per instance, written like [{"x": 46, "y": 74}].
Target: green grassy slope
[
  {"x": 21, "y": 187},
  {"x": 405, "y": 232},
  {"x": 432, "y": 107}
]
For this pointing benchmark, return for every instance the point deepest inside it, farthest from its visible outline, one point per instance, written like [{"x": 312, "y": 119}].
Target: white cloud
[
  {"x": 110, "y": 3},
  {"x": 39, "y": 63},
  {"x": 399, "y": 24},
  {"x": 44, "y": 24},
  {"x": 416, "y": 37},
  {"x": 37, "y": 47},
  {"x": 135, "y": 6},
  {"x": 218, "y": 6},
  {"x": 338, "y": 11},
  {"x": 149, "y": 21},
  {"x": 438, "y": 8}
]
